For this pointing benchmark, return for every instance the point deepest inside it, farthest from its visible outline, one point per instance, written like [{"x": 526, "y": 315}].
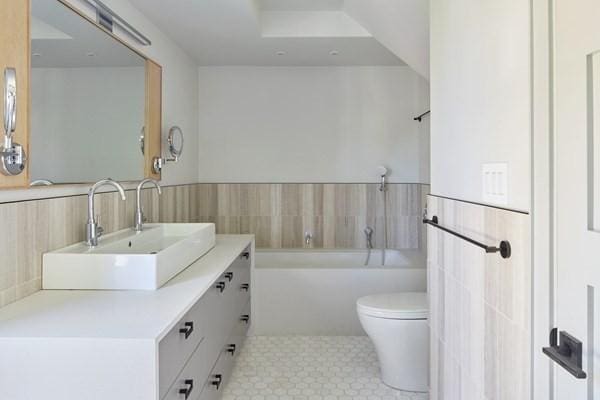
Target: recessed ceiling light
[
  {"x": 334, "y": 53},
  {"x": 37, "y": 54},
  {"x": 281, "y": 53},
  {"x": 91, "y": 54}
]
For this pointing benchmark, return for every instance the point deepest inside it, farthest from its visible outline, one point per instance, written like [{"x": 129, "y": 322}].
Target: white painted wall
[
  {"x": 86, "y": 124},
  {"x": 311, "y": 124},
  {"x": 401, "y": 26},
  {"x": 480, "y": 96}
]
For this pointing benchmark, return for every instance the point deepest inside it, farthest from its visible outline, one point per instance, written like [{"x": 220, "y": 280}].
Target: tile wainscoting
[
  {"x": 279, "y": 215},
  {"x": 480, "y": 348},
  {"x": 335, "y": 214}
]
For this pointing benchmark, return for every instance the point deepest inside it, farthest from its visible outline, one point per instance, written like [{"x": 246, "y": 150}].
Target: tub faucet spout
[{"x": 308, "y": 238}]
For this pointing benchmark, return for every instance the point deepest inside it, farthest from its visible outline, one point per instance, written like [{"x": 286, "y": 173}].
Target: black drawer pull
[
  {"x": 245, "y": 287},
  {"x": 217, "y": 381},
  {"x": 231, "y": 349},
  {"x": 246, "y": 255},
  {"x": 220, "y": 286},
  {"x": 187, "y": 331},
  {"x": 245, "y": 318},
  {"x": 229, "y": 275},
  {"x": 188, "y": 390}
]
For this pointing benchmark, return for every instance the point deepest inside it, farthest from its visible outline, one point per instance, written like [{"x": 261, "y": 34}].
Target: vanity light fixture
[
  {"x": 107, "y": 18},
  {"x": 12, "y": 154}
]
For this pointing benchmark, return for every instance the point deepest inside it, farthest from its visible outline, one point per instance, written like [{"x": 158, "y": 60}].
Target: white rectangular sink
[{"x": 128, "y": 260}]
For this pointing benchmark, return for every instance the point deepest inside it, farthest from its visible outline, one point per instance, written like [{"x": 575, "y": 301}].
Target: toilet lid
[{"x": 410, "y": 305}]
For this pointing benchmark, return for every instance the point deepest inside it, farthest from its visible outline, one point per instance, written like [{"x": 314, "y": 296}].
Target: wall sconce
[{"x": 12, "y": 155}]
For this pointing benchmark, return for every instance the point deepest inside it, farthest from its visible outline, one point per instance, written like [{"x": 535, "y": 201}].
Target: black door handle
[
  {"x": 567, "y": 353},
  {"x": 246, "y": 255},
  {"x": 188, "y": 329},
  {"x": 245, "y": 318},
  {"x": 220, "y": 286},
  {"x": 188, "y": 390},
  {"x": 245, "y": 287},
  {"x": 229, "y": 275}
]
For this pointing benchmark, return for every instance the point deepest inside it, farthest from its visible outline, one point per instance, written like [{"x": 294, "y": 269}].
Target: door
[{"x": 576, "y": 293}]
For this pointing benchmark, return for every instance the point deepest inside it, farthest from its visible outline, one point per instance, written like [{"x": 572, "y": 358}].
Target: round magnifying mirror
[{"x": 175, "y": 140}]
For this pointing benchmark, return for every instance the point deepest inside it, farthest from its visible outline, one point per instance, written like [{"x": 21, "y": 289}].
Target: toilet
[{"x": 397, "y": 325}]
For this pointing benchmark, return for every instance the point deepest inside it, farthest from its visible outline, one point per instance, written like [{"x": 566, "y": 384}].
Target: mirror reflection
[{"x": 87, "y": 100}]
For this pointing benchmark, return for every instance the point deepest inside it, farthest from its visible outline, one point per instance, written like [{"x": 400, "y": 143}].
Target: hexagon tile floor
[{"x": 310, "y": 368}]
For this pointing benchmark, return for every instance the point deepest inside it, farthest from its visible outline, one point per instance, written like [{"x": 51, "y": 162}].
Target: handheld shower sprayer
[
  {"x": 383, "y": 172},
  {"x": 369, "y": 236}
]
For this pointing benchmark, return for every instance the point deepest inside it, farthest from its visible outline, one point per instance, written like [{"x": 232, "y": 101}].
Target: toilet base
[{"x": 402, "y": 348}]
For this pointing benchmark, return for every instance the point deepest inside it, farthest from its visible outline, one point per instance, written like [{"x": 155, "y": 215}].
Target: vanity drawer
[
  {"x": 218, "y": 377},
  {"x": 241, "y": 283},
  {"x": 179, "y": 344},
  {"x": 220, "y": 318},
  {"x": 239, "y": 332},
  {"x": 188, "y": 385}
]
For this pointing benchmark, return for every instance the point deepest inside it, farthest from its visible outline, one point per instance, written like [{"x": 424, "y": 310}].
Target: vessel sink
[{"x": 128, "y": 260}]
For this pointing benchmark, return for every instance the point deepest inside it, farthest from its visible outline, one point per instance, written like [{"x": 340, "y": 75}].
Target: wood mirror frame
[{"x": 15, "y": 52}]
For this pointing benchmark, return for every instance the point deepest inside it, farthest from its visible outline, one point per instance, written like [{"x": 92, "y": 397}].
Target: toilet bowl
[{"x": 397, "y": 325}]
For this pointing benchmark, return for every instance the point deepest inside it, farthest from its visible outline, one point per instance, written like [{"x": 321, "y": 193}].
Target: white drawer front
[
  {"x": 188, "y": 385},
  {"x": 179, "y": 344}
]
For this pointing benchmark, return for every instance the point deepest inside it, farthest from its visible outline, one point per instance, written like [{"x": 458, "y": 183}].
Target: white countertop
[{"x": 119, "y": 314}]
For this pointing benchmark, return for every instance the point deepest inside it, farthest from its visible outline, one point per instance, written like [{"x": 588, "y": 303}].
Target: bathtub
[{"x": 314, "y": 292}]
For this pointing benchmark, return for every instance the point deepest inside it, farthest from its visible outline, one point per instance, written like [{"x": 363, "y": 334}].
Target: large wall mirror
[{"x": 89, "y": 100}]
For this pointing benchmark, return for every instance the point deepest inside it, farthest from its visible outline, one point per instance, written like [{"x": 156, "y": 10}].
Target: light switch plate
[{"x": 495, "y": 183}]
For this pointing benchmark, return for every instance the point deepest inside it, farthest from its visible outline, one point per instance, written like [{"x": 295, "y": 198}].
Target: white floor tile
[{"x": 310, "y": 368}]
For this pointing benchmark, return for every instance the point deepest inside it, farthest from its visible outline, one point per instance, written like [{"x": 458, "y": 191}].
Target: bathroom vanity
[{"x": 175, "y": 343}]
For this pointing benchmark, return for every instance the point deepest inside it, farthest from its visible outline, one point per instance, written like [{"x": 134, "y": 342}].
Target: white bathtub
[{"x": 314, "y": 292}]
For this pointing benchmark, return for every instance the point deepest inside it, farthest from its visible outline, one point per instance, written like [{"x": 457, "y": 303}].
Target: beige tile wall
[
  {"x": 479, "y": 304},
  {"x": 335, "y": 214},
  {"x": 278, "y": 214}
]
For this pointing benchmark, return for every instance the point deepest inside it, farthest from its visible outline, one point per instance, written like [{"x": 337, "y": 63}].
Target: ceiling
[
  {"x": 267, "y": 32},
  {"x": 301, "y": 5}
]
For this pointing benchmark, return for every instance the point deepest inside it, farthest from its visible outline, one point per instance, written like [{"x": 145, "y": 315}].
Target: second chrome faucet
[{"x": 139, "y": 219}]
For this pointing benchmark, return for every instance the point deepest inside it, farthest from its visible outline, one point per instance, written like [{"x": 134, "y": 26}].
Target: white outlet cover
[{"x": 495, "y": 183}]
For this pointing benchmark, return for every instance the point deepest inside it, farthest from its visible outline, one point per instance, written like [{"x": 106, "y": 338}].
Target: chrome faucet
[
  {"x": 308, "y": 237},
  {"x": 93, "y": 231},
  {"x": 139, "y": 211}
]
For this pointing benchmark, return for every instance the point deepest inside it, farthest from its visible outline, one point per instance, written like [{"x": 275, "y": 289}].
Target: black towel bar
[
  {"x": 504, "y": 247},
  {"x": 420, "y": 117}
]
